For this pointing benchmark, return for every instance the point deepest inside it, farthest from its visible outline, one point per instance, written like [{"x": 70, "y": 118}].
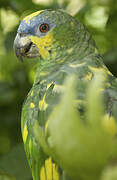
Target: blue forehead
[{"x": 31, "y": 26}]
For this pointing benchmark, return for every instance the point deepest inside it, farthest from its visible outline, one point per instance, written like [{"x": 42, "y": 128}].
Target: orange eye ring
[{"x": 44, "y": 28}]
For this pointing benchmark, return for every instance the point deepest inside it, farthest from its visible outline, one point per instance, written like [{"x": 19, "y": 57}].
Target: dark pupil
[{"x": 43, "y": 27}]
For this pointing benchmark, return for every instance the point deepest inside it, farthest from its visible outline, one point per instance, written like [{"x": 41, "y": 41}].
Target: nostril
[{"x": 22, "y": 34}]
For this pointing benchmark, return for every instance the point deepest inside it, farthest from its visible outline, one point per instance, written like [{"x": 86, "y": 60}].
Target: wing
[{"x": 40, "y": 101}]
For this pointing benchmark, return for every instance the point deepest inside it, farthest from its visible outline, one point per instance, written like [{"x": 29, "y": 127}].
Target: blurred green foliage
[
  {"x": 91, "y": 143},
  {"x": 16, "y": 78}
]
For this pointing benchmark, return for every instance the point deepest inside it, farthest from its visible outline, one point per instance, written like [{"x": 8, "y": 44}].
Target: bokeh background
[{"x": 16, "y": 78}]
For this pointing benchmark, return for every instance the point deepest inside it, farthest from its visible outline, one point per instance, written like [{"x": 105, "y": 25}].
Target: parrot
[{"x": 64, "y": 47}]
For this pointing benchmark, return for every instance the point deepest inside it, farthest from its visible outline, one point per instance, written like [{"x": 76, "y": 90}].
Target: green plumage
[{"x": 66, "y": 49}]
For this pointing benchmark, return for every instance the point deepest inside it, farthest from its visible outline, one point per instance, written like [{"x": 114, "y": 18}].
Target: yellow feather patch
[
  {"x": 88, "y": 76},
  {"x": 32, "y": 105},
  {"x": 42, "y": 174},
  {"x": 77, "y": 65},
  {"x": 99, "y": 70},
  {"x": 96, "y": 69},
  {"x": 42, "y": 81},
  {"x": 49, "y": 85},
  {"x": 31, "y": 94},
  {"x": 43, "y": 43},
  {"x": 46, "y": 127},
  {"x": 96, "y": 51},
  {"x": 48, "y": 167},
  {"x": 109, "y": 72},
  {"x": 49, "y": 171},
  {"x": 55, "y": 172},
  {"x": 43, "y": 73},
  {"x": 25, "y": 133},
  {"x": 29, "y": 17},
  {"x": 42, "y": 104}
]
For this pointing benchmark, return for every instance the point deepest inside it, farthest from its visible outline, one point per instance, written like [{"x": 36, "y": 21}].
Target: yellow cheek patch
[
  {"x": 49, "y": 171},
  {"x": 43, "y": 43},
  {"x": 25, "y": 133},
  {"x": 29, "y": 17}
]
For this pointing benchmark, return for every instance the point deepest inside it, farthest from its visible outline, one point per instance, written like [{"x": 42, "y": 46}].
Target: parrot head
[{"x": 49, "y": 34}]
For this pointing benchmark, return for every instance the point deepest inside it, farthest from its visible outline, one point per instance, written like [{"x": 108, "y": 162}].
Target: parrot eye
[{"x": 44, "y": 28}]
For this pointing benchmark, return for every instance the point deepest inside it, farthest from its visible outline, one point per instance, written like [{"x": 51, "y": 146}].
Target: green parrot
[{"x": 64, "y": 47}]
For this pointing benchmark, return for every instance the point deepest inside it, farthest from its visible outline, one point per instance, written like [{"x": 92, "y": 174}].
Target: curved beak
[{"x": 23, "y": 46}]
